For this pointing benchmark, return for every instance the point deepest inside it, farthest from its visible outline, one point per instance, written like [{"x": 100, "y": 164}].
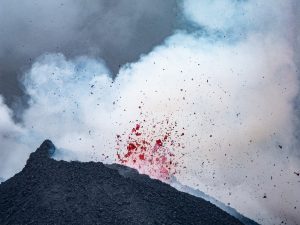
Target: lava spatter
[{"x": 151, "y": 149}]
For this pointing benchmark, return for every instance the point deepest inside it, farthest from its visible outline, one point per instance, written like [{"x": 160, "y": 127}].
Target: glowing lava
[{"x": 151, "y": 149}]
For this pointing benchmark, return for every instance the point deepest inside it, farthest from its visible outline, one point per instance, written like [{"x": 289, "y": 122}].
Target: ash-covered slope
[{"x": 58, "y": 192}]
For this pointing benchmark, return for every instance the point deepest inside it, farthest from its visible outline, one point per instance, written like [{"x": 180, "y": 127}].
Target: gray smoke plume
[
  {"x": 230, "y": 81},
  {"x": 118, "y": 31}
]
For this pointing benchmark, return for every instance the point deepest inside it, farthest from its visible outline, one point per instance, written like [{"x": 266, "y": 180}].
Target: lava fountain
[{"x": 152, "y": 149}]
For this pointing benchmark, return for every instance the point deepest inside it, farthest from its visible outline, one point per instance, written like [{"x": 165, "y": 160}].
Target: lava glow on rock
[{"x": 152, "y": 149}]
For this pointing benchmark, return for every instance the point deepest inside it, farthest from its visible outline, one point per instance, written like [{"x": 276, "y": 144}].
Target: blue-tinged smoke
[{"x": 230, "y": 83}]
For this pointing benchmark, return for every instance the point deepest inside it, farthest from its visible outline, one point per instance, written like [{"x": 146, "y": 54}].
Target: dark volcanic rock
[{"x": 58, "y": 192}]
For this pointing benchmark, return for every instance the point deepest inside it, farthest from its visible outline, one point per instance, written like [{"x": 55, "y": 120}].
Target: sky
[{"x": 217, "y": 82}]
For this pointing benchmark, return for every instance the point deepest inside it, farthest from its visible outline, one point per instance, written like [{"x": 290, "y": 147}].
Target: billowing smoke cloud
[
  {"x": 117, "y": 30},
  {"x": 230, "y": 85},
  {"x": 13, "y": 150}
]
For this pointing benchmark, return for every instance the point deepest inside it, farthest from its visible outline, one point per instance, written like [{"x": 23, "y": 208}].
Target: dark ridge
[
  {"x": 58, "y": 192},
  {"x": 221, "y": 205}
]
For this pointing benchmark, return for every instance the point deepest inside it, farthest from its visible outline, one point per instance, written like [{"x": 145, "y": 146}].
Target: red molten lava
[{"x": 151, "y": 150}]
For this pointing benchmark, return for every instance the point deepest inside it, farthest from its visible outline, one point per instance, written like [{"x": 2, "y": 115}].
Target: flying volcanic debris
[{"x": 213, "y": 106}]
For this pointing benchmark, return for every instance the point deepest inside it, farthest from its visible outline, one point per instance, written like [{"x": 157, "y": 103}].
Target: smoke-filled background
[{"x": 225, "y": 72}]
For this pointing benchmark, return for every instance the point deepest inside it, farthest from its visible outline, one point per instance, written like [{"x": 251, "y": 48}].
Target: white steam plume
[{"x": 232, "y": 91}]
